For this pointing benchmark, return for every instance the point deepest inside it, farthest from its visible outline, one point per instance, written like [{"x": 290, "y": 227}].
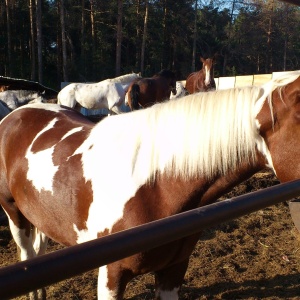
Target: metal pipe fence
[{"x": 32, "y": 274}]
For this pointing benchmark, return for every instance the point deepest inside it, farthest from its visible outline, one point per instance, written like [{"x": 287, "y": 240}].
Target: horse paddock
[{"x": 253, "y": 257}]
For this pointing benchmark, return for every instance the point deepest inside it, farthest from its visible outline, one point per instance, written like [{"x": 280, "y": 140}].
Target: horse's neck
[
  {"x": 221, "y": 185},
  {"x": 204, "y": 191}
]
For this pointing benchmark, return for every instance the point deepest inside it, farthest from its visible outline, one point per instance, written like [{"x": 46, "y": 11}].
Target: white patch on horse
[
  {"x": 41, "y": 160},
  {"x": 74, "y": 130},
  {"x": 103, "y": 291},
  {"x": 113, "y": 181}
]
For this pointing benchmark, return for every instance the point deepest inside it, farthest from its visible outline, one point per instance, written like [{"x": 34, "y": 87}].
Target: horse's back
[{"x": 30, "y": 119}]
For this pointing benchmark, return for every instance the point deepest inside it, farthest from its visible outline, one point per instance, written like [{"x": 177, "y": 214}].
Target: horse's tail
[{"x": 134, "y": 95}]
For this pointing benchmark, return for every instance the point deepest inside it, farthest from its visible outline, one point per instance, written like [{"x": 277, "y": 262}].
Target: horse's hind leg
[
  {"x": 29, "y": 243},
  {"x": 169, "y": 280}
]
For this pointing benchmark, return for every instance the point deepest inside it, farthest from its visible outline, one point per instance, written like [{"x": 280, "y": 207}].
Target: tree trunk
[
  {"x": 32, "y": 41},
  {"x": 82, "y": 46},
  {"x": 144, "y": 37},
  {"x": 93, "y": 34},
  {"x": 39, "y": 39},
  {"x": 269, "y": 64},
  {"x": 119, "y": 37},
  {"x": 195, "y": 38},
  {"x": 164, "y": 41},
  {"x": 63, "y": 40},
  {"x": 9, "y": 45},
  {"x": 138, "y": 34}
]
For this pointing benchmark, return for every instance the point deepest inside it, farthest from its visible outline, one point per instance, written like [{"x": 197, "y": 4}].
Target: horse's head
[
  {"x": 279, "y": 125},
  {"x": 207, "y": 67}
]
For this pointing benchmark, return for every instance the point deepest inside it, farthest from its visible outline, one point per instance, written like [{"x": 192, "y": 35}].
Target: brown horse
[
  {"x": 145, "y": 92},
  {"x": 203, "y": 80},
  {"x": 75, "y": 181}
]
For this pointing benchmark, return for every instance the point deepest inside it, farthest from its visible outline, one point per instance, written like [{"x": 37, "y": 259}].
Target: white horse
[
  {"x": 180, "y": 91},
  {"x": 109, "y": 94},
  {"x": 125, "y": 80},
  {"x": 17, "y": 98}
]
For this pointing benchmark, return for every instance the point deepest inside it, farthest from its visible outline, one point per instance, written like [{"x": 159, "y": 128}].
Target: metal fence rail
[{"x": 29, "y": 275}]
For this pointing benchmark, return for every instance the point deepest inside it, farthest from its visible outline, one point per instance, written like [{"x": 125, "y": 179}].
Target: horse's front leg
[
  {"x": 168, "y": 281},
  {"x": 112, "y": 281},
  {"x": 29, "y": 243}
]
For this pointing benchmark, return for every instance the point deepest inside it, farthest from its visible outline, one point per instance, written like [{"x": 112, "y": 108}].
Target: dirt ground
[{"x": 254, "y": 257}]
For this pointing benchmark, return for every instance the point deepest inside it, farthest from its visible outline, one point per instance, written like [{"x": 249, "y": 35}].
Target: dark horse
[
  {"x": 145, "y": 92},
  {"x": 203, "y": 80},
  {"x": 67, "y": 179}
]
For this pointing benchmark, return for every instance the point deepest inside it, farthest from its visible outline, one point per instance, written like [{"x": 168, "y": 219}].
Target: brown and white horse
[
  {"x": 75, "y": 181},
  {"x": 203, "y": 80}
]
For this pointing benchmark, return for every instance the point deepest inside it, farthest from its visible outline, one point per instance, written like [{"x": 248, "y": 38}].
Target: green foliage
[{"x": 248, "y": 37}]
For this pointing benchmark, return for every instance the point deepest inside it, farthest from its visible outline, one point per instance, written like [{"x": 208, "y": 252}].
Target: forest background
[{"x": 51, "y": 41}]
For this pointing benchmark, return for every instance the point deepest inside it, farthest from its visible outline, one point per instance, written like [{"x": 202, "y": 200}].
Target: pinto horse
[
  {"x": 203, "y": 80},
  {"x": 109, "y": 93},
  {"x": 176, "y": 156},
  {"x": 145, "y": 92}
]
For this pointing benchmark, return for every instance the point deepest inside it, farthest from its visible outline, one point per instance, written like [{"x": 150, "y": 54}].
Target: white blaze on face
[{"x": 207, "y": 76}]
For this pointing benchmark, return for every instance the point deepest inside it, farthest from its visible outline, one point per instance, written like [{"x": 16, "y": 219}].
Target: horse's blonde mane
[{"x": 203, "y": 134}]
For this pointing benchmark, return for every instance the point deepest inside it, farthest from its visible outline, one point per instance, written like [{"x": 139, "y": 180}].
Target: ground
[{"x": 254, "y": 257}]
